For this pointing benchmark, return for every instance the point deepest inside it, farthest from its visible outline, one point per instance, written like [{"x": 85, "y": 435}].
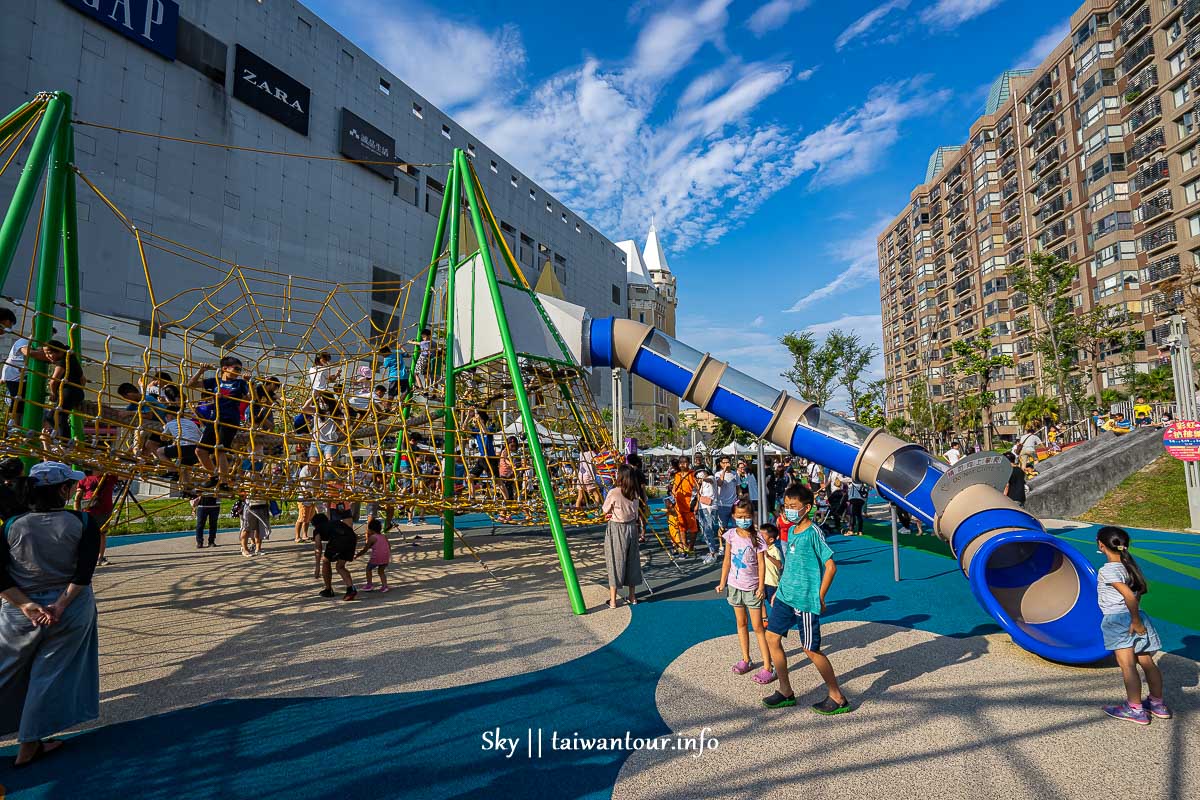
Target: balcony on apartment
[
  {"x": 1049, "y": 211},
  {"x": 1052, "y": 235},
  {"x": 1019, "y": 300},
  {"x": 1009, "y": 189},
  {"x": 1006, "y": 144},
  {"x": 1160, "y": 270},
  {"x": 1155, "y": 205},
  {"x": 1039, "y": 90},
  {"x": 1016, "y": 254},
  {"x": 1151, "y": 174},
  {"x": 1012, "y": 233},
  {"x": 1134, "y": 26},
  {"x": 1144, "y": 114},
  {"x": 961, "y": 268},
  {"x": 1049, "y": 184},
  {"x": 1141, "y": 83},
  {"x": 964, "y": 285},
  {"x": 1191, "y": 10},
  {"x": 1042, "y": 113},
  {"x": 1166, "y": 302},
  {"x": 1124, "y": 7},
  {"x": 1148, "y": 143},
  {"x": 1136, "y": 55},
  {"x": 959, "y": 249},
  {"x": 1158, "y": 238},
  {"x": 1193, "y": 44},
  {"x": 1011, "y": 211},
  {"x": 1008, "y": 166},
  {"x": 1044, "y": 137}
]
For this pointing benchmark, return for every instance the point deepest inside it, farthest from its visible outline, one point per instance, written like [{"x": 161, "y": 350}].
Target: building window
[
  {"x": 1177, "y": 63},
  {"x": 1191, "y": 158},
  {"x": 494, "y": 167},
  {"x": 446, "y": 131},
  {"x": 1194, "y": 224},
  {"x": 513, "y": 180},
  {"x": 1187, "y": 125},
  {"x": 564, "y": 218},
  {"x": 470, "y": 150},
  {"x": 385, "y": 87},
  {"x": 641, "y": 316},
  {"x": 577, "y": 228},
  {"x": 1192, "y": 190},
  {"x": 1182, "y": 95},
  {"x": 532, "y": 194},
  {"x": 418, "y": 112},
  {"x": 616, "y": 294},
  {"x": 549, "y": 210}
]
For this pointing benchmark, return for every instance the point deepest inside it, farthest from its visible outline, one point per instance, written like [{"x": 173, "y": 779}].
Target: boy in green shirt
[{"x": 808, "y": 571}]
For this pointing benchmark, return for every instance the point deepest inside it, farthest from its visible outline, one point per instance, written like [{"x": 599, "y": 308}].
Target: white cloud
[
  {"x": 805, "y": 74},
  {"x": 946, "y": 14},
  {"x": 452, "y": 63},
  {"x": 864, "y": 23},
  {"x": 671, "y": 38},
  {"x": 773, "y": 14},
  {"x": 859, "y": 257},
  {"x": 1044, "y": 45},
  {"x": 758, "y": 321}
]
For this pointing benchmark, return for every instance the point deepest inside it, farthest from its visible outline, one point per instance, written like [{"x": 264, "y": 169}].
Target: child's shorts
[
  {"x": 254, "y": 519},
  {"x": 375, "y": 565},
  {"x": 782, "y": 617},
  {"x": 742, "y": 597},
  {"x": 769, "y": 592},
  {"x": 1115, "y": 628}
]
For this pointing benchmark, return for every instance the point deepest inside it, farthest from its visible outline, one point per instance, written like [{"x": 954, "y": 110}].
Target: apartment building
[{"x": 1092, "y": 156}]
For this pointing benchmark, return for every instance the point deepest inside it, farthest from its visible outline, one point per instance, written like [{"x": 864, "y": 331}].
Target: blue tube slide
[{"x": 1040, "y": 590}]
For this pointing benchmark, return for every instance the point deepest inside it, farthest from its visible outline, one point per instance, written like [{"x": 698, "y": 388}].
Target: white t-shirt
[
  {"x": 834, "y": 477},
  {"x": 327, "y": 431},
  {"x": 1111, "y": 601},
  {"x": 856, "y": 492},
  {"x": 707, "y": 489},
  {"x": 727, "y": 483},
  {"x": 319, "y": 377},
  {"x": 952, "y": 456},
  {"x": 183, "y": 431},
  {"x": 813, "y": 470},
  {"x": 14, "y": 365}
]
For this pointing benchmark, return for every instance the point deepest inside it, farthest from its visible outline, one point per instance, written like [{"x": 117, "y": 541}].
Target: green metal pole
[
  {"x": 47, "y": 260},
  {"x": 430, "y": 280},
  {"x": 518, "y": 385},
  {"x": 18, "y": 117},
  {"x": 70, "y": 240},
  {"x": 31, "y": 176},
  {"x": 449, "y": 443}
]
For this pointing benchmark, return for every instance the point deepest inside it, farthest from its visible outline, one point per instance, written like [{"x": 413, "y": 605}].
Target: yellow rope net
[{"x": 244, "y": 381}]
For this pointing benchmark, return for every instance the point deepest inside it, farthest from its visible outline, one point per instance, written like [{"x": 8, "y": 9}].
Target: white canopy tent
[{"x": 543, "y": 433}]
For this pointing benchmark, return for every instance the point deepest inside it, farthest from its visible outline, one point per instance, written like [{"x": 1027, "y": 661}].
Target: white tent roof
[
  {"x": 635, "y": 267},
  {"x": 653, "y": 255},
  {"x": 544, "y": 434},
  {"x": 735, "y": 449}
]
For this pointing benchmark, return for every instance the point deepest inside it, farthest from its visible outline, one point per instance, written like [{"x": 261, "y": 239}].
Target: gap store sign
[{"x": 154, "y": 24}]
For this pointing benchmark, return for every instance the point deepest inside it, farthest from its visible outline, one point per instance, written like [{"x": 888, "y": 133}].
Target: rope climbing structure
[{"x": 238, "y": 380}]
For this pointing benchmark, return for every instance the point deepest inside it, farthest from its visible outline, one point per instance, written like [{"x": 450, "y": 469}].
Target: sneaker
[
  {"x": 350, "y": 594},
  {"x": 708, "y": 559},
  {"x": 829, "y": 707},
  {"x": 1157, "y": 708},
  {"x": 212, "y": 542},
  {"x": 779, "y": 700},
  {"x": 199, "y": 545},
  {"x": 384, "y": 589},
  {"x": 327, "y": 593},
  {"x": 1124, "y": 712},
  {"x": 368, "y": 588},
  {"x": 103, "y": 561}
]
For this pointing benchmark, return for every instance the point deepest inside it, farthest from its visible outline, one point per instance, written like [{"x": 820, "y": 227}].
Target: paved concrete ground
[
  {"x": 279, "y": 693},
  {"x": 936, "y": 716}
]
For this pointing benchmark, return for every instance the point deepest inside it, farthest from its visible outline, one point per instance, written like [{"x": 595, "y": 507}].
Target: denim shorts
[
  {"x": 330, "y": 451},
  {"x": 742, "y": 597},
  {"x": 1115, "y": 628}
]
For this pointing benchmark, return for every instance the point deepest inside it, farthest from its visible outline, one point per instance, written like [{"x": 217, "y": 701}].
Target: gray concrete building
[{"x": 269, "y": 75}]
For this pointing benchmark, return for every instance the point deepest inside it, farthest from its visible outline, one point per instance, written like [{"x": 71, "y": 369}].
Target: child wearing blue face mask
[{"x": 743, "y": 574}]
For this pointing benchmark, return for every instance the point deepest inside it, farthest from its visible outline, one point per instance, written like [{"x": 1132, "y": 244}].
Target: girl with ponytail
[{"x": 1127, "y": 631}]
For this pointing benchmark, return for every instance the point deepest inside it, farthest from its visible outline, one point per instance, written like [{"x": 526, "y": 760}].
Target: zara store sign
[
  {"x": 154, "y": 24},
  {"x": 264, "y": 87}
]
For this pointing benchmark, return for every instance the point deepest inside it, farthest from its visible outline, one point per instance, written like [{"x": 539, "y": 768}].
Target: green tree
[
  {"x": 1046, "y": 283},
  {"x": 1157, "y": 385},
  {"x": 727, "y": 432},
  {"x": 1036, "y": 410},
  {"x": 976, "y": 363},
  {"x": 852, "y": 357},
  {"x": 970, "y": 418},
  {"x": 814, "y": 367},
  {"x": 869, "y": 409},
  {"x": 898, "y": 426}
]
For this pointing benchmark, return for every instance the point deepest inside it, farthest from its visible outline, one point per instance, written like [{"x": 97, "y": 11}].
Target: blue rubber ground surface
[{"x": 429, "y": 744}]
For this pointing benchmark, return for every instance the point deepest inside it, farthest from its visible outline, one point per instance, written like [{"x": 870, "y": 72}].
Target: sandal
[
  {"x": 611, "y": 604},
  {"x": 741, "y": 668},
  {"x": 40, "y": 752},
  {"x": 764, "y": 676}
]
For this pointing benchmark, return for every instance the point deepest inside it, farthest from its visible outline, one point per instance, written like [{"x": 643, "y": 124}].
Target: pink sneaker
[
  {"x": 1126, "y": 714},
  {"x": 1157, "y": 708},
  {"x": 741, "y": 668},
  {"x": 384, "y": 589},
  {"x": 368, "y": 588}
]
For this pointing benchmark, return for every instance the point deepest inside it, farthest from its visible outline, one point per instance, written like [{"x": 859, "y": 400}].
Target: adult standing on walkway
[
  {"x": 748, "y": 482},
  {"x": 727, "y": 486},
  {"x": 49, "y": 647},
  {"x": 777, "y": 483}
]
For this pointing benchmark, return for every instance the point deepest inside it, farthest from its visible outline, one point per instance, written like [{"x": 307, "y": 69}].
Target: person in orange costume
[{"x": 683, "y": 489}]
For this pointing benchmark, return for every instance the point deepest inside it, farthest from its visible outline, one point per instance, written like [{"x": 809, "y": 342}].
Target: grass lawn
[
  {"x": 171, "y": 514},
  {"x": 1153, "y": 497}
]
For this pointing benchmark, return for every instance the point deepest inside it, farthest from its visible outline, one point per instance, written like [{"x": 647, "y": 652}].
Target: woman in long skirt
[
  {"x": 49, "y": 648},
  {"x": 621, "y": 539}
]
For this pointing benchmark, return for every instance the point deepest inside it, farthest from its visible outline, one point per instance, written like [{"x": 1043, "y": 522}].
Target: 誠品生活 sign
[
  {"x": 264, "y": 87},
  {"x": 362, "y": 141},
  {"x": 154, "y": 24}
]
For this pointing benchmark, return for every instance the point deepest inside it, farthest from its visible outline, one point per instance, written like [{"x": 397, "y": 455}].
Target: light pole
[{"x": 1185, "y": 401}]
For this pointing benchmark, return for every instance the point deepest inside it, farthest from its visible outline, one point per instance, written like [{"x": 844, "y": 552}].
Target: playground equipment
[
  {"x": 494, "y": 345},
  {"x": 1039, "y": 589}
]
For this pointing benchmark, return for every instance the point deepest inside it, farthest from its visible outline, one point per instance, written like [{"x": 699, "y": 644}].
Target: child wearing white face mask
[{"x": 743, "y": 575}]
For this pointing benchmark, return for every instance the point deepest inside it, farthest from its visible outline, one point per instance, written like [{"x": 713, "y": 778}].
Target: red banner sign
[{"x": 1182, "y": 439}]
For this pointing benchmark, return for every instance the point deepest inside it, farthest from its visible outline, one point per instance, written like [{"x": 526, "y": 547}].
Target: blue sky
[{"x": 771, "y": 140}]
